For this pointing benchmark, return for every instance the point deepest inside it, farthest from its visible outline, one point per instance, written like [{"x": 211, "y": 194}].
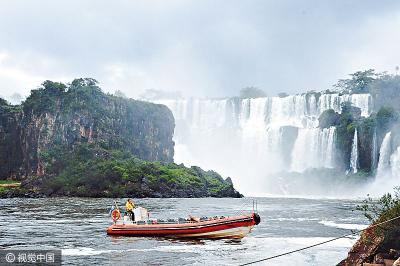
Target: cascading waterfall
[
  {"x": 251, "y": 138},
  {"x": 354, "y": 154},
  {"x": 314, "y": 148},
  {"x": 395, "y": 164},
  {"x": 384, "y": 155}
]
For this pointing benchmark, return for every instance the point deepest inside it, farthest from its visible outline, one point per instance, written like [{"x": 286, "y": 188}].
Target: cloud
[
  {"x": 379, "y": 46},
  {"x": 202, "y": 48}
]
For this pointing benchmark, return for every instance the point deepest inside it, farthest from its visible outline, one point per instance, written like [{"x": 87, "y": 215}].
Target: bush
[{"x": 89, "y": 170}]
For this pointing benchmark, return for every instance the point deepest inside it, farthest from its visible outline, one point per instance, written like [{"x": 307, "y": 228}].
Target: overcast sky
[{"x": 202, "y": 48}]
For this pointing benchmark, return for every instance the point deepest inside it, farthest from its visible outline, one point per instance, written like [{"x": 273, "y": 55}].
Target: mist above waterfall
[{"x": 253, "y": 140}]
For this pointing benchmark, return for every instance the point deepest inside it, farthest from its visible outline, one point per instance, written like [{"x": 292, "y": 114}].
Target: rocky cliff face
[
  {"x": 373, "y": 248},
  {"x": 58, "y": 115}
]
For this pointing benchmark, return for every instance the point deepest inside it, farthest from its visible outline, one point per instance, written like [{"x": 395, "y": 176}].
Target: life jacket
[{"x": 129, "y": 206}]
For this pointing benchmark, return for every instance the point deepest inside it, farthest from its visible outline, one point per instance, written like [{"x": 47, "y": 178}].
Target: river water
[{"x": 77, "y": 227}]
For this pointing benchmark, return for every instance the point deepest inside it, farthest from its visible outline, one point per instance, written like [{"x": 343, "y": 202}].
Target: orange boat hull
[{"x": 232, "y": 227}]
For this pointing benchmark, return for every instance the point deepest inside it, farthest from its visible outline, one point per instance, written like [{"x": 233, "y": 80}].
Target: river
[{"x": 77, "y": 227}]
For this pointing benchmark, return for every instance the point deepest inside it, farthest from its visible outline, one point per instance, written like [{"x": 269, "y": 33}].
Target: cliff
[
  {"x": 375, "y": 247},
  {"x": 57, "y": 115}
]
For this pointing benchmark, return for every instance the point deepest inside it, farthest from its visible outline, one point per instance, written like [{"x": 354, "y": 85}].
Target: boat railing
[{"x": 175, "y": 221}]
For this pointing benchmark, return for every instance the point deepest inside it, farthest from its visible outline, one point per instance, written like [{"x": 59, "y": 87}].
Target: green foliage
[
  {"x": 3, "y": 102},
  {"x": 345, "y": 132},
  {"x": 7, "y": 182},
  {"x": 386, "y": 117},
  {"x": 358, "y": 83},
  {"x": 89, "y": 170},
  {"x": 386, "y": 91},
  {"x": 251, "y": 92},
  {"x": 366, "y": 130},
  {"x": 7, "y": 108},
  {"x": 44, "y": 99}
]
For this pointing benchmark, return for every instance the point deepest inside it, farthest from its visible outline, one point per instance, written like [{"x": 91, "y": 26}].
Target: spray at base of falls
[{"x": 250, "y": 139}]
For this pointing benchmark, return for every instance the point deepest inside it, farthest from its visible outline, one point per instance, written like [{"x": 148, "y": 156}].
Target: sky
[{"x": 202, "y": 48}]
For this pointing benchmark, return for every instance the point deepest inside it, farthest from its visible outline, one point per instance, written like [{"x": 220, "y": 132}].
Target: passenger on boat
[
  {"x": 129, "y": 206},
  {"x": 193, "y": 219}
]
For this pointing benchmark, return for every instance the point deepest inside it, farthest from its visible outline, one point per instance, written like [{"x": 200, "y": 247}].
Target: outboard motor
[{"x": 257, "y": 218}]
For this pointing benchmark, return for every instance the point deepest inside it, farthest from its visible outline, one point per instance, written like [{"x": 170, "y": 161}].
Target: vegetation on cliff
[{"x": 89, "y": 170}]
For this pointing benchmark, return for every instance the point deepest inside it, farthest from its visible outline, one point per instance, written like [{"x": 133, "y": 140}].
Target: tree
[
  {"x": 54, "y": 88},
  {"x": 358, "y": 83},
  {"x": 251, "y": 92},
  {"x": 386, "y": 91},
  {"x": 385, "y": 117}
]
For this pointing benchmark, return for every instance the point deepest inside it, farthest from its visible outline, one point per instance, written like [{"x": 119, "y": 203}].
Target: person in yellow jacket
[{"x": 129, "y": 206}]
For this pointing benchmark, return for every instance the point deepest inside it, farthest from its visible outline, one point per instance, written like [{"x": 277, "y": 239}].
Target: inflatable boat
[{"x": 216, "y": 227}]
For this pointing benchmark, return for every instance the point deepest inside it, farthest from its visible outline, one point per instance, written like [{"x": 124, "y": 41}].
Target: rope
[{"x": 320, "y": 243}]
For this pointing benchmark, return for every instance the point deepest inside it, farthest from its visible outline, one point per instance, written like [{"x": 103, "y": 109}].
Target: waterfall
[
  {"x": 384, "y": 155},
  {"x": 251, "y": 138},
  {"x": 335, "y": 101},
  {"x": 354, "y": 154},
  {"x": 314, "y": 148},
  {"x": 395, "y": 164}
]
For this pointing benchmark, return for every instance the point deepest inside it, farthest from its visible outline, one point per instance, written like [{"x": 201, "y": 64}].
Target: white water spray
[{"x": 354, "y": 154}]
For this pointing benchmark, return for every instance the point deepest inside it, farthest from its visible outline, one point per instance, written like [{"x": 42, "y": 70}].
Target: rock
[{"x": 364, "y": 249}]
